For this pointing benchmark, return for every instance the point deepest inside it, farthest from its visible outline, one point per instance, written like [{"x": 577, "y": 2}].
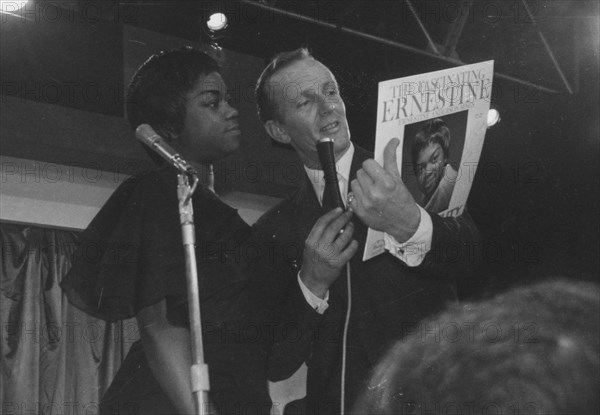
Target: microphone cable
[
  {"x": 345, "y": 341},
  {"x": 327, "y": 159}
]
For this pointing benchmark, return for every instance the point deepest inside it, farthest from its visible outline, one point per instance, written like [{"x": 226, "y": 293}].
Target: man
[{"x": 299, "y": 103}]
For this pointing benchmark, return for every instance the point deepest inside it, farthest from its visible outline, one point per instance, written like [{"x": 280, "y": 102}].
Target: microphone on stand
[
  {"x": 332, "y": 187},
  {"x": 146, "y": 134},
  {"x": 199, "y": 369}
]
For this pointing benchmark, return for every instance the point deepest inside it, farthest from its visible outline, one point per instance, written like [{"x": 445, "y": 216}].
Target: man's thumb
[{"x": 390, "y": 162}]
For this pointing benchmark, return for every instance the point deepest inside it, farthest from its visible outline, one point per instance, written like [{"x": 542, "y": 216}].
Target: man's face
[
  {"x": 430, "y": 168},
  {"x": 310, "y": 108}
]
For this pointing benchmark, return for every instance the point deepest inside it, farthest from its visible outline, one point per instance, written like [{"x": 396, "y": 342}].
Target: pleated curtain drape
[{"x": 55, "y": 358}]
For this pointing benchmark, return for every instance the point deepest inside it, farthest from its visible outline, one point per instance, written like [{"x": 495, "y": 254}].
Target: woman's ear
[
  {"x": 168, "y": 134},
  {"x": 277, "y": 132}
]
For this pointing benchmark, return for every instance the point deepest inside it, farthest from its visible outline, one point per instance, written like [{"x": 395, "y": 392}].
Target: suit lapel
[
  {"x": 307, "y": 210},
  {"x": 360, "y": 230},
  {"x": 359, "y": 157}
]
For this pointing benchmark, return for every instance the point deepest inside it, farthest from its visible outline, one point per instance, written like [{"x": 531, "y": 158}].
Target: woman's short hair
[
  {"x": 157, "y": 92},
  {"x": 431, "y": 132}
]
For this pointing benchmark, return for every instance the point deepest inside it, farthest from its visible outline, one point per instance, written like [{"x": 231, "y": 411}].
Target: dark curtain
[{"x": 55, "y": 358}]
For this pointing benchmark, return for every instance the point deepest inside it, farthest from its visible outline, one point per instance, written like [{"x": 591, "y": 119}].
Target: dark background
[{"x": 535, "y": 197}]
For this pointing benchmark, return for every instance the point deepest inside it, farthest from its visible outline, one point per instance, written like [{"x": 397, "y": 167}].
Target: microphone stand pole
[{"x": 199, "y": 369}]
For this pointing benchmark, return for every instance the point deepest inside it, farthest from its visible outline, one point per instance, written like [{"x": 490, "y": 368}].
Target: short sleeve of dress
[{"x": 128, "y": 252}]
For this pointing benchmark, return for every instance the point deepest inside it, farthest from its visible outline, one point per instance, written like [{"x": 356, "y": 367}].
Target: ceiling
[
  {"x": 542, "y": 49},
  {"x": 535, "y": 43},
  {"x": 545, "y": 52}
]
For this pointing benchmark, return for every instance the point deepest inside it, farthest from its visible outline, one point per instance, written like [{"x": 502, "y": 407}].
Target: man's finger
[
  {"x": 321, "y": 224},
  {"x": 373, "y": 169},
  {"x": 349, "y": 252},
  {"x": 359, "y": 196},
  {"x": 377, "y": 174},
  {"x": 345, "y": 238},
  {"x": 333, "y": 228},
  {"x": 365, "y": 180},
  {"x": 390, "y": 161}
]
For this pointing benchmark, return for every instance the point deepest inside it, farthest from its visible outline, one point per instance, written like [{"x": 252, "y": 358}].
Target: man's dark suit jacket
[{"x": 389, "y": 299}]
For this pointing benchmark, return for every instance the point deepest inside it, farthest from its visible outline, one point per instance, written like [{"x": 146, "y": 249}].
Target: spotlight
[
  {"x": 217, "y": 21},
  {"x": 9, "y": 7},
  {"x": 493, "y": 117}
]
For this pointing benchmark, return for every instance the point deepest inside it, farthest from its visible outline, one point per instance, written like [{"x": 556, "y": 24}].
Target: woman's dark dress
[{"x": 131, "y": 257}]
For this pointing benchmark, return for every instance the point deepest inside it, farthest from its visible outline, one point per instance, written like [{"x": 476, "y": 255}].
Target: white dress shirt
[{"x": 412, "y": 252}]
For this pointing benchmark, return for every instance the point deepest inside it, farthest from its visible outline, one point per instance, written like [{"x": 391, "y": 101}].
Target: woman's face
[
  {"x": 430, "y": 168},
  {"x": 211, "y": 130}
]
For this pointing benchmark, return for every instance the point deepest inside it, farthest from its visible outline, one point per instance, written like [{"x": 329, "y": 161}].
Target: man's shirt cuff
[
  {"x": 319, "y": 304},
  {"x": 413, "y": 251}
]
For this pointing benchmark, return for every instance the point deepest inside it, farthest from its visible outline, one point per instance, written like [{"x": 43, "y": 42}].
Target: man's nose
[{"x": 326, "y": 106}]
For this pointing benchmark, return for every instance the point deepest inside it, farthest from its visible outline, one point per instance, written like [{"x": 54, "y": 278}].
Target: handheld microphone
[
  {"x": 327, "y": 159},
  {"x": 146, "y": 134}
]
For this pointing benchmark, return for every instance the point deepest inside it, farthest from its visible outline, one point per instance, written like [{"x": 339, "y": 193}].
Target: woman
[
  {"x": 140, "y": 270},
  {"x": 430, "y": 156}
]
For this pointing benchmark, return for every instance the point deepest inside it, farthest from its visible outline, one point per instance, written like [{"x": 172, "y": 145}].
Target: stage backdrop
[{"x": 55, "y": 358}]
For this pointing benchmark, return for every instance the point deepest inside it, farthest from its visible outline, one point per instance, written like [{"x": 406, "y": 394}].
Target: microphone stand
[{"x": 199, "y": 369}]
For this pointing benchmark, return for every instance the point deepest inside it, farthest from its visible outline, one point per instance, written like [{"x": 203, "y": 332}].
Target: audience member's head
[{"x": 533, "y": 350}]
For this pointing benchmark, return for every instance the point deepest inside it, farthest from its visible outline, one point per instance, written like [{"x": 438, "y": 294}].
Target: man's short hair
[
  {"x": 531, "y": 350},
  {"x": 265, "y": 101},
  {"x": 431, "y": 132},
  {"x": 157, "y": 92}
]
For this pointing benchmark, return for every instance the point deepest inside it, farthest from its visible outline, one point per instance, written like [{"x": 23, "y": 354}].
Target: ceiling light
[
  {"x": 10, "y": 7},
  {"x": 217, "y": 21},
  {"x": 493, "y": 117}
]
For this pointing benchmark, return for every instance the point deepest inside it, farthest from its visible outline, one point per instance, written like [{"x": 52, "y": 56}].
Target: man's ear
[{"x": 277, "y": 132}]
